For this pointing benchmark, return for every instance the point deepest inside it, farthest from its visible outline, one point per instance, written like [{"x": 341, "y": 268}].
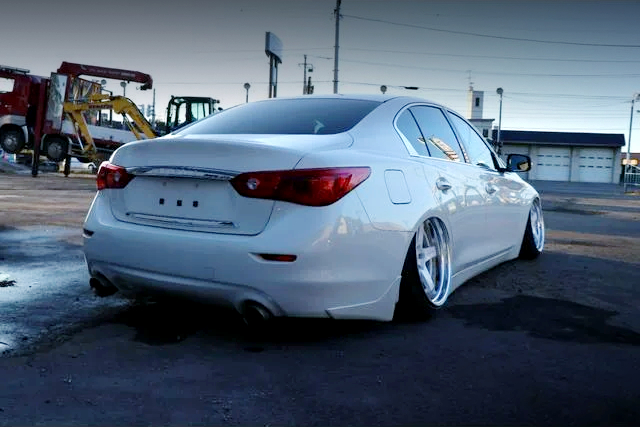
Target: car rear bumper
[{"x": 346, "y": 269}]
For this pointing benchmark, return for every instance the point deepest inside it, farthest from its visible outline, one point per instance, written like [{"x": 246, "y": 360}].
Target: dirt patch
[{"x": 48, "y": 199}]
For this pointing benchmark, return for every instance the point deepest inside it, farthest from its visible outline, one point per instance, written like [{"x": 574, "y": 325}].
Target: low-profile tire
[
  {"x": 426, "y": 274},
  {"x": 12, "y": 140},
  {"x": 533, "y": 239},
  {"x": 56, "y": 149}
]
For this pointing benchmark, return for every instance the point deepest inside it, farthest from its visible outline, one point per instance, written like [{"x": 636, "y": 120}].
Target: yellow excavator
[
  {"x": 181, "y": 111},
  {"x": 134, "y": 118}
]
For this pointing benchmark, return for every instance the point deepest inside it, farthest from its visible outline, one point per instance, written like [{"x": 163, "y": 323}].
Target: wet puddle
[{"x": 44, "y": 286}]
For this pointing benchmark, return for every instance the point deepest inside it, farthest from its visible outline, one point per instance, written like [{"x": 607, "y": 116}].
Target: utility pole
[
  {"x": 633, "y": 100},
  {"x": 309, "y": 87},
  {"x": 335, "y": 55},
  {"x": 499, "y": 91},
  {"x": 307, "y": 68},
  {"x": 304, "y": 79}
]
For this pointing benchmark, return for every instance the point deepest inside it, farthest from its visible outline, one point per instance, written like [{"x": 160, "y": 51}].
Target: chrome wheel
[
  {"x": 537, "y": 225},
  {"x": 433, "y": 260}
]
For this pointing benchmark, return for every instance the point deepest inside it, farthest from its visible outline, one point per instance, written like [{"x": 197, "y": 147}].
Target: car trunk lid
[{"x": 183, "y": 183}]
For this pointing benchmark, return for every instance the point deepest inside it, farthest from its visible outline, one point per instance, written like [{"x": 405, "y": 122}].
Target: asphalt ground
[{"x": 554, "y": 341}]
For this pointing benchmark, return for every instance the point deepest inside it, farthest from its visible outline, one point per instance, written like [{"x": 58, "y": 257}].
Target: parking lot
[{"x": 555, "y": 341}]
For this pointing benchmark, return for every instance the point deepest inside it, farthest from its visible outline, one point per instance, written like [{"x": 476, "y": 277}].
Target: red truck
[{"x": 49, "y": 114}]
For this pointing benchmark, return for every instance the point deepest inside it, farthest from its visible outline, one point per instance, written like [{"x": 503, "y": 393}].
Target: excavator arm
[
  {"x": 119, "y": 104},
  {"x": 76, "y": 70}
]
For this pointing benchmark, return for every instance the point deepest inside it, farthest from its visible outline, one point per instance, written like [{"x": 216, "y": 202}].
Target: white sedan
[{"x": 316, "y": 206}]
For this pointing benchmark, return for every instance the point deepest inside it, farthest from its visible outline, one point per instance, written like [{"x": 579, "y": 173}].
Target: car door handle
[
  {"x": 491, "y": 188},
  {"x": 443, "y": 184}
]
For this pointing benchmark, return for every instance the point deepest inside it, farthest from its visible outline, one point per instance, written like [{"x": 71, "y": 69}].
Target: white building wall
[
  {"x": 575, "y": 165},
  {"x": 476, "y": 103}
]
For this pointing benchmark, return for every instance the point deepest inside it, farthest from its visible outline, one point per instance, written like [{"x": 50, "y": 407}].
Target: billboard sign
[
  {"x": 273, "y": 46},
  {"x": 273, "y": 49}
]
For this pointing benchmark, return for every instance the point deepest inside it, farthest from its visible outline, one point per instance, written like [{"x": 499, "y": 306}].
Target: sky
[{"x": 564, "y": 65}]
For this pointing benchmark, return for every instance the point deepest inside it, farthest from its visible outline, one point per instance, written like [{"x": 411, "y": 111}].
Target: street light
[
  {"x": 499, "y": 91},
  {"x": 124, "y": 88},
  {"x": 246, "y": 87}
]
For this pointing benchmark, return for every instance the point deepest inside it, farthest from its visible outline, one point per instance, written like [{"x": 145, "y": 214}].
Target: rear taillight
[
  {"x": 278, "y": 257},
  {"x": 112, "y": 176},
  {"x": 310, "y": 187}
]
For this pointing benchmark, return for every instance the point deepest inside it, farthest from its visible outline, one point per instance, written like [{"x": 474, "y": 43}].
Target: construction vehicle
[
  {"x": 49, "y": 114},
  {"x": 183, "y": 110}
]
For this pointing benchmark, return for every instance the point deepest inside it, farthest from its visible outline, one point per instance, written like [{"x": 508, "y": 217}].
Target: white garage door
[
  {"x": 553, "y": 164},
  {"x": 596, "y": 165}
]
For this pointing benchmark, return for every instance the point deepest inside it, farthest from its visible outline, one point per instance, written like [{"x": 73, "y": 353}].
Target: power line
[
  {"x": 551, "y": 95},
  {"x": 564, "y": 129},
  {"x": 231, "y": 83},
  {"x": 449, "y": 70},
  {"x": 511, "y": 58},
  {"x": 567, "y": 95},
  {"x": 253, "y": 50},
  {"x": 467, "y": 33}
]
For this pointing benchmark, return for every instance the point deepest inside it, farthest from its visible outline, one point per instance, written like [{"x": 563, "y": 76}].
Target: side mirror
[{"x": 518, "y": 163}]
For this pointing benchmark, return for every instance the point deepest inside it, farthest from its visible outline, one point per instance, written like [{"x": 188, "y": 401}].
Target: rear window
[{"x": 305, "y": 116}]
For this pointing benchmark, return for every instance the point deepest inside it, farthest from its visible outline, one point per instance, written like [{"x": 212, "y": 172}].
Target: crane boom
[{"x": 76, "y": 70}]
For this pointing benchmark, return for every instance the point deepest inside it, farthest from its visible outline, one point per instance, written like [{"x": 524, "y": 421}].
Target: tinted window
[
  {"x": 439, "y": 137},
  {"x": 286, "y": 116},
  {"x": 408, "y": 127},
  {"x": 477, "y": 150}
]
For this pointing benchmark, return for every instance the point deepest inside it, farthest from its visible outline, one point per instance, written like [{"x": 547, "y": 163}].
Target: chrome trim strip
[
  {"x": 183, "y": 172},
  {"x": 183, "y": 221}
]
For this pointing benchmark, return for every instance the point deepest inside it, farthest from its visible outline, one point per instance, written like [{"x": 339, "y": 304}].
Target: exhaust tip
[
  {"x": 101, "y": 286},
  {"x": 255, "y": 314}
]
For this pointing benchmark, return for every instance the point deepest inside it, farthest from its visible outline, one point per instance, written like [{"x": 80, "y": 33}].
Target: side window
[
  {"x": 438, "y": 135},
  {"x": 181, "y": 114},
  {"x": 6, "y": 84},
  {"x": 198, "y": 110},
  {"x": 478, "y": 152},
  {"x": 408, "y": 127}
]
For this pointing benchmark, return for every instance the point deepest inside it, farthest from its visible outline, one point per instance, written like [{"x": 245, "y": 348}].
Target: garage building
[
  {"x": 555, "y": 156},
  {"x": 566, "y": 156}
]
